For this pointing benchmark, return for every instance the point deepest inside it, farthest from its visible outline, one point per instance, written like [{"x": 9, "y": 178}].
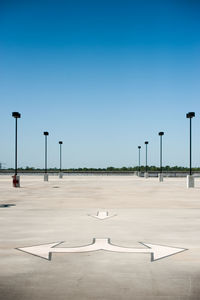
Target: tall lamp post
[
  {"x": 160, "y": 176},
  {"x": 146, "y": 173},
  {"x": 60, "y": 173},
  {"x": 190, "y": 178},
  {"x": 139, "y": 148},
  {"x": 45, "y": 156},
  {"x": 16, "y": 178}
]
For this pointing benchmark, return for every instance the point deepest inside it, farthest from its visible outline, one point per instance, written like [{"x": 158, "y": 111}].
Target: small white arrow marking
[
  {"x": 101, "y": 215},
  {"x": 156, "y": 251}
]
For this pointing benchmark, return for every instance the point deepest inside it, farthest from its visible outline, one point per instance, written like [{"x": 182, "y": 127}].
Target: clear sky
[{"x": 103, "y": 76}]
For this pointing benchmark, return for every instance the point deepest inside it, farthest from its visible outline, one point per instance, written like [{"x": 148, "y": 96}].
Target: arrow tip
[
  {"x": 43, "y": 251},
  {"x": 102, "y": 215},
  {"x": 159, "y": 252}
]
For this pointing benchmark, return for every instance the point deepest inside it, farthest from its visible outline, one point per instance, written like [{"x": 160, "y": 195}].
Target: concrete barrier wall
[{"x": 100, "y": 173}]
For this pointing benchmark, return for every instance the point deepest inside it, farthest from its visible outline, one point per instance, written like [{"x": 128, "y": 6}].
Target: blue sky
[{"x": 103, "y": 76}]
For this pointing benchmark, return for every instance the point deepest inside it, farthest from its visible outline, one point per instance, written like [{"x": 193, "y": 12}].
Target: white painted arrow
[
  {"x": 156, "y": 251},
  {"x": 101, "y": 215}
]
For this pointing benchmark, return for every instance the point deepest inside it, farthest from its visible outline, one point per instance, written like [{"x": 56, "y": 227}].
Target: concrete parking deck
[{"x": 142, "y": 212}]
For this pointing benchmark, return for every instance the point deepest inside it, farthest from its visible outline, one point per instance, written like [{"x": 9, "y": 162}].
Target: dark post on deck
[
  {"x": 16, "y": 179},
  {"x": 60, "y": 143},
  {"x": 161, "y": 133},
  {"x": 45, "y": 150},
  {"x": 190, "y": 115},
  {"x": 139, "y": 148},
  {"x": 146, "y": 143}
]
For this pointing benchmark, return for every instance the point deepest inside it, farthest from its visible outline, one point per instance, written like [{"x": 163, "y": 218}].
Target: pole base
[
  {"x": 190, "y": 181},
  {"x": 16, "y": 181},
  {"x": 146, "y": 175},
  {"x": 46, "y": 177},
  {"x": 139, "y": 174},
  {"x": 160, "y": 177},
  {"x": 60, "y": 175}
]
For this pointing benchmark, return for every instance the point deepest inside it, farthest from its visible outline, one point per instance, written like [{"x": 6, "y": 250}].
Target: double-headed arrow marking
[
  {"x": 101, "y": 215},
  {"x": 156, "y": 251}
]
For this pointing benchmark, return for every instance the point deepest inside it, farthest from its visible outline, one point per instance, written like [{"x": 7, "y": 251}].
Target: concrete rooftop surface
[{"x": 99, "y": 238}]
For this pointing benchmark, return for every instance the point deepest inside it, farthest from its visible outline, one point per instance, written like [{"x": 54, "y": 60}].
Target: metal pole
[
  {"x": 161, "y": 154},
  {"x": 146, "y": 158},
  {"x": 60, "y": 158},
  {"x": 190, "y": 146},
  {"x": 15, "y": 146},
  {"x": 45, "y": 153},
  {"x": 139, "y": 159}
]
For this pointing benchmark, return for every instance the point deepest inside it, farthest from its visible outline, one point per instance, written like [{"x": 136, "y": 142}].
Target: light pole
[
  {"x": 60, "y": 174},
  {"x": 139, "y": 148},
  {"x": 146, "y": 173},
  {"x": 190, "y": 178},
  {"x": 45, "y": 156},
  {"x": 161, "y": 133},
  {"x": 16, "y": 179}
]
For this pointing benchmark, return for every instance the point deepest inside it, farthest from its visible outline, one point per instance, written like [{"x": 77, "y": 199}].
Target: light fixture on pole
[
  {"x": 60, "y": 173},
  {"x": 45, "y": 156},
  {"x": 139, "y": 148},
  {"x": 160, "y": 176},
  {"x": 146, "y": 169},
  {"x": 190, "y": 178},
  {"x": 16, "y": 178}
]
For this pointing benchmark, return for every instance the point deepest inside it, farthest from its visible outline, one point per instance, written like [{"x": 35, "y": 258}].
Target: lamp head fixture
[
  {"x": 190, "y": 115},
  {"x": 16, "y": 115}
]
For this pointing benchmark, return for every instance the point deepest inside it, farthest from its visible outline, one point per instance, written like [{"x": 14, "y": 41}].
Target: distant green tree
[{"x": 110, "y": 169}]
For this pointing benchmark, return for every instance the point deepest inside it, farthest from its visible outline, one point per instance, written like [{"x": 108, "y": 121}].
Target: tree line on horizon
[{"x": 111, "y": 169}]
